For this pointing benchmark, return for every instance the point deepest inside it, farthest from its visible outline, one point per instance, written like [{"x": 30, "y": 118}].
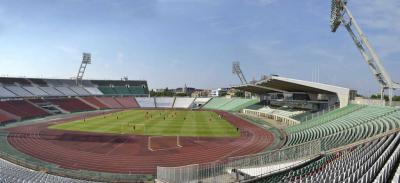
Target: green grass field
[{"x": 156, "y": 123}]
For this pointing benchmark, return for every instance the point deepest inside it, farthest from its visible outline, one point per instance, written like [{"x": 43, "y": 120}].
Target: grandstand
[
  {"x": 229, "y": 104},
  {"x": 282, "y": 130},
  {"x": 35, "y": 87},
  {"x": 10, "y": 172},
  {"x": 371, "y": 161},
  {"x": 164, "y": 102},
  {"x": 336, "y": 134},
  {"x": 183, "y": 103}
]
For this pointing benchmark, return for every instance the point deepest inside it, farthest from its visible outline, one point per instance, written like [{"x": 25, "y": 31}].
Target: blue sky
[{"x": 173, "y": 42}]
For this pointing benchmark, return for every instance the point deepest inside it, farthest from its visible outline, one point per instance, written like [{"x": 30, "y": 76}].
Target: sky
[{"x": 173, "y": 42}]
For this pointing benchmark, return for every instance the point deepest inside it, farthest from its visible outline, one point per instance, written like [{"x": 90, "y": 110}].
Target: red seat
[{"x": 71, "y": 104}]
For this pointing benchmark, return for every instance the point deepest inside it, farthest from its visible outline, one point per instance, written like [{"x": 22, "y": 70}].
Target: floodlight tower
[
  {"x": 236, "y": 70},
  {"x": 340, "y": 14},
  {"x": 86, "y": 59}
]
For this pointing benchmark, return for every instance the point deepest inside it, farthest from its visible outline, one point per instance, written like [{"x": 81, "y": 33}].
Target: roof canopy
[{"x": 274, "y": 84}]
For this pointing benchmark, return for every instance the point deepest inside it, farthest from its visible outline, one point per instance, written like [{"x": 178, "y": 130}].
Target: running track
[{"x": 129, "y": 154}]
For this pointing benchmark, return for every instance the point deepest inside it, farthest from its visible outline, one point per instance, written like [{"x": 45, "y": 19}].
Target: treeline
[
  {"x": 166, "y": 93},
  {"x": 395, "y": 98}
]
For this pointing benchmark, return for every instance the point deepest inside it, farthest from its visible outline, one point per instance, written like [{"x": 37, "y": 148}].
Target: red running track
[{"x": 129, "y": 154}]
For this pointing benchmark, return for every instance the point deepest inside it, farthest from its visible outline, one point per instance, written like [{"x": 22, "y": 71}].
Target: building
[{"x": 219, "y": 92}]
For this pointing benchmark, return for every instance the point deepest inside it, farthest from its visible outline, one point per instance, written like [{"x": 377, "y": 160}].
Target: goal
[{"x": 163, "y": 143}]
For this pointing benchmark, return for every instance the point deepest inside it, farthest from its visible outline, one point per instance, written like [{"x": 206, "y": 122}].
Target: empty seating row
[
  {"x": 355, "y": 126},
  {"x": 93, "y": 91},
  {"x": 374, "y": 161},
  {"x": 95, "y": 101},
  {"x": 80, "y": 91},
  {"x": 238, "y": 104},
  {"x": 127, "y": 102},
  {"x": 229, "y": 104},
  {"x": 66, "y": 91},
  {"x": 164, "y": 102},
  {"x": 10, "y": 172},
  {"x": 71, "y": 104},
  {"x": 123, "y": 90},
  {"x": 183, "y": 103},
  {"x": 110, "y": 102},
  {"x": 33, "y": 91},
  {"x": 325, "y": 118},
  {"x": 7, "y": 117},
  {"x": 22, "y": 109},
  {"x": 6, "y": 93},
  {"x": 216, "y": 103},
  {"x": 146, "y": 102},
  {"x": 19, "y": 91},
  {"x": 200, "y": 102}
]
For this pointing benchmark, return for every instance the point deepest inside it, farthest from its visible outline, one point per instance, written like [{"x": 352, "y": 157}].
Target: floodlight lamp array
[
  {"x": 87, "y": 58},
  {"x": 337, "y": 8}
]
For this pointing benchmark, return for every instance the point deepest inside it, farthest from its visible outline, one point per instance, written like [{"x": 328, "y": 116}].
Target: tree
[{"x": 378, "y": 96}]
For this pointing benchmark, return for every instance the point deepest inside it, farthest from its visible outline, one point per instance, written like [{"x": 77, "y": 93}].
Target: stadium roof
[{"x": 275, "y": 84}]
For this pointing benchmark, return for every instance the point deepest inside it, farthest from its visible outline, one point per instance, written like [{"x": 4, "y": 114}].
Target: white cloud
[
  {"x": 380, "y": 19},
  {"x": 378, "y": 14}
]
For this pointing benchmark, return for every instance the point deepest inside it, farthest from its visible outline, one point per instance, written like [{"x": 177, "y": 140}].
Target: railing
[
  {"x": 232, "y": 169},
  {"x": 286, "y": 120},
  {"x": 319, "y": 113},
  {"x": 361, "y": 101}
]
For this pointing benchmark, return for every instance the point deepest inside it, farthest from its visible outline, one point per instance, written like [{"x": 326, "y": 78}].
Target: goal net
[{"x": 163, "y": 143}]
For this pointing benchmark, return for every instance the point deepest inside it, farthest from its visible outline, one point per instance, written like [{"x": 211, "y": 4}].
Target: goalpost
[{"x": 163, "y": 143}]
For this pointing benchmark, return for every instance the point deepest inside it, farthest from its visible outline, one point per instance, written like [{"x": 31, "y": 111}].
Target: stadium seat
[
  {"x": 66, "y": 91},
  {"x": 4, "y": 93},
  {"x": 183, "y": 103},
  {"x": 22, "y": 109},
  {"x": 164, "y": 102},
  {"x": 51, "y": 91},
  {"x": 146, "y": 102},
  {"x": 107, "y": 90},
  {"x": 79, "y": 90},
  {"x": 127, "y": 102},
  {"x": 10, "y": 172},
  {"x": 339, "y": 128},
  {"x": 93, "y": 91},
  {"x": 7, "y": 117},
  {"x": 229, "y": 104},
  {"x": 372, "y": 161},
  {"x": 71, "y": 104},
  {"x": 35, "y": 91},
  {"x": 95, "y": 101},
  {"x": 110, "y": 102},
  {"x": 19, "y": 91}
]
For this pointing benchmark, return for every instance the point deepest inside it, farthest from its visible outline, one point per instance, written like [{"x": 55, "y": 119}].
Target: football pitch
[{"x": 155, "y": 123}]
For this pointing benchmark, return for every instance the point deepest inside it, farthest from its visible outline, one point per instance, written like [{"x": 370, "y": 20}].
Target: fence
[
  {"x": 283, "y": 119},
  {"x": 241, "y": 168},
  {"x": 319, "y": 113},
  {"x": 362, "y": 101}
]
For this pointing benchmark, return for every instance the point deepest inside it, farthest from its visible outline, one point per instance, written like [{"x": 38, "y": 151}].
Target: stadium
[{"x": 281, "y": 129}]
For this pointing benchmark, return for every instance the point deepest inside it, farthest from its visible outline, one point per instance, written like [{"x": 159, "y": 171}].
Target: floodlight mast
[
  {"x": 86, "y": 59},
  {"x": 238, "y": 71},
  {"x": 340, "y": 14}
]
